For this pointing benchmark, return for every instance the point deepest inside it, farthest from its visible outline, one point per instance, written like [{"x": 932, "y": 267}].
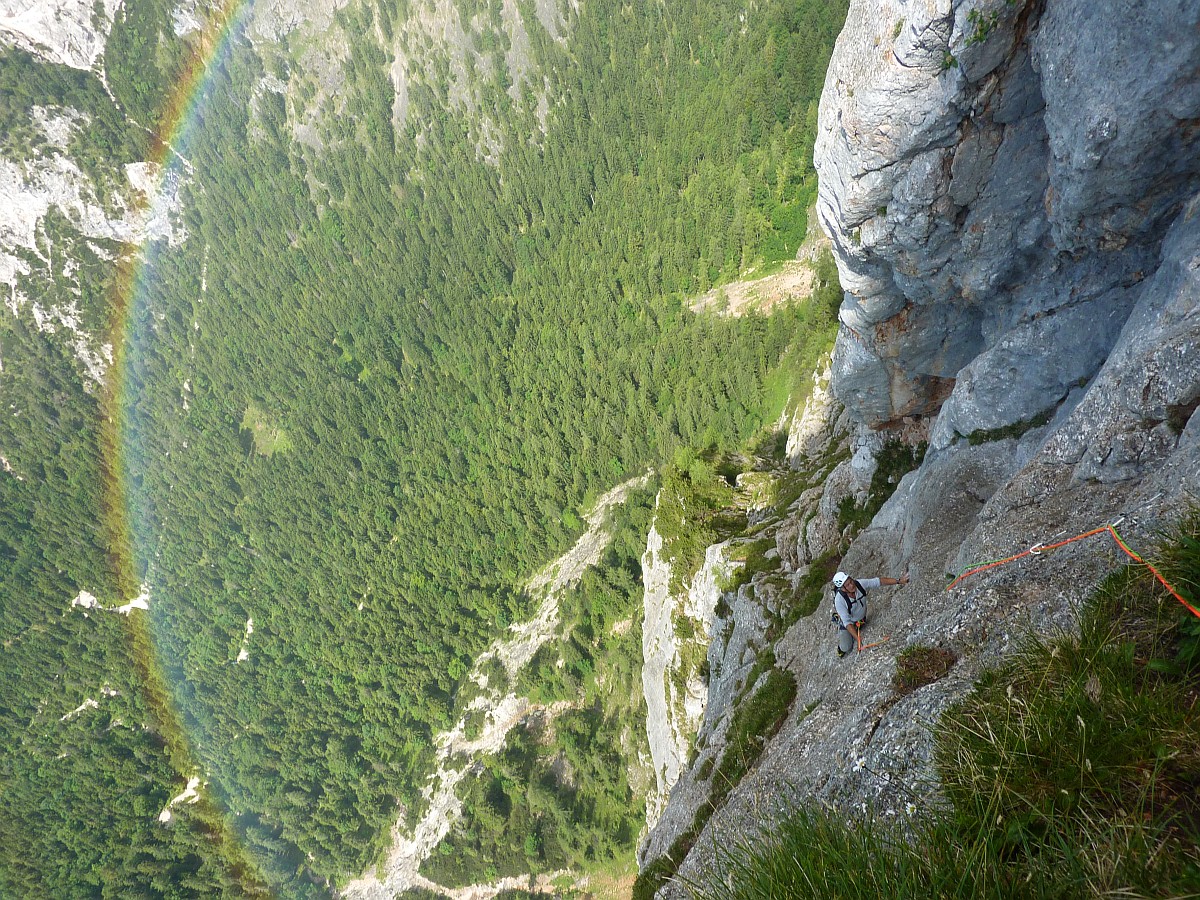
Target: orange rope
[
  {"x": 1154, "y": 571},
  {"x": 1038, "y": 548}
]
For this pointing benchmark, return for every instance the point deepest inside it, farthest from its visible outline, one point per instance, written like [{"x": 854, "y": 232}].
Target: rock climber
[{"x": 850, "y": 601}]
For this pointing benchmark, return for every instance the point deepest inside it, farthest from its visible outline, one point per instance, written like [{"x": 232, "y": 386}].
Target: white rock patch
[
  {"x": 89, "y": 601},
  {"x": 87, "y": 704},
  {"x": 185, "y": 18},
  {"x": 59, "y": 123},
  {"x": 658, "y": 649},
  {"x": 70, "y": 32},
  {"x": 244, "y": 653},
  {"x": 189, "y": 795},
  {"x": 30, "y": 190},
  {"x": 161, "y": 192},
  {"x": 141, "y": 601},
  {"x": 86, "y": 600},
  {"x": 5, "y": 464}
]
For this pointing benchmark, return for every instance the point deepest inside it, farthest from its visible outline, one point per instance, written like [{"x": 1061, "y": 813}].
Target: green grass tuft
[
  {"x": 1015, "y": 430},
  {"x": 753, "y": 556}
]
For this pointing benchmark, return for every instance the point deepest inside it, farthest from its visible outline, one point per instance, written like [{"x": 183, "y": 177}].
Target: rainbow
[
  {"x": 170, "y": 138},
  {"x": 175, "y": 124},
  {"x": 177, "y": 118},
  {"x": 179, "y": 107}
]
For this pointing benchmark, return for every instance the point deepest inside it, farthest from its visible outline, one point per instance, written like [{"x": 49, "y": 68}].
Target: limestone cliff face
[
  {"x": 676, "y": 695},
  {"x": 997, "y": 179},
  {"x": 1012, "y": 190}
]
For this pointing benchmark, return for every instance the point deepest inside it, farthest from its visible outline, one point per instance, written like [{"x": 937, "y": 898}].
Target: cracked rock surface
[
  {"x": 1012, "y": 191},
  {"x": 997, "y": 179}
]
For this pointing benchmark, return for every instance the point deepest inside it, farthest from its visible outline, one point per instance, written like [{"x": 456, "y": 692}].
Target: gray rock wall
[
  {"x": 1012, "y": 191},
  {"x": 675, "y": 698},
  {"x": 997, "y": 179}
]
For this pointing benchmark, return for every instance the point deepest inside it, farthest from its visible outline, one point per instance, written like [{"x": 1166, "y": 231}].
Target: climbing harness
[{"x": 1038, "y": 549}]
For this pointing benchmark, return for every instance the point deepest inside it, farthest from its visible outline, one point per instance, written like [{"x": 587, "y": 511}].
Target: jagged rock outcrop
[
  {"x": 675, "y": 694},
  {"x": 739, "y": 636},
  {"x": 1011, "y": 192},
  {"x": 996, "y": 178},
  {"x": 1013, "y": 195},
  {"x": 820, "y": 433}
]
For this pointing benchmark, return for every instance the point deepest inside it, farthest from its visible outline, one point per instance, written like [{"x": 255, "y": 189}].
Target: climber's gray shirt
[{"x": 860, "y": 602}]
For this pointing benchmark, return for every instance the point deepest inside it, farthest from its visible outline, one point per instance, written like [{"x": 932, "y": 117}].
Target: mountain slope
[
  {"x": 1022, "y": 293},
  {"x": 419, "y": 299}
]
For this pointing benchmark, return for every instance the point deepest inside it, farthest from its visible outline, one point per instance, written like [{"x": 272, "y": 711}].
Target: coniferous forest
[{"x": 392, "y": 359}]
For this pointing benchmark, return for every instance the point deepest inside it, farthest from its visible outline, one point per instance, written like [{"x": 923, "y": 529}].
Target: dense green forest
[
  {"x": 90, "y": 752},
  {"x": 445, "y": 360},
  {"x": 81, "y": 786},
  {"x": 569, "y": 793},
  {"x": 370, "y": 393}
]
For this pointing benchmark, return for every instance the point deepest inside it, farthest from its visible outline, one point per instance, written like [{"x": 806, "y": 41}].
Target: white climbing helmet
[{"x": 839, "y": 579}]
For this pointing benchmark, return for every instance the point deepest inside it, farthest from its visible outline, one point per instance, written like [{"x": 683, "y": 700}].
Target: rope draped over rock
[{"x": 1037, "y": 549}]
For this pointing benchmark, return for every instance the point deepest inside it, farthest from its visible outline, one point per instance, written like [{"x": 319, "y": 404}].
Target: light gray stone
[
  {"x": 821, "y": 536},
  {"x": 1122, "y": 90},
  {"x": 1032, "y": 368},
  {"x": 787, "y": 545},
  {"x": 1015, "y": 210},
  {"x": 1035, "y": 165}
]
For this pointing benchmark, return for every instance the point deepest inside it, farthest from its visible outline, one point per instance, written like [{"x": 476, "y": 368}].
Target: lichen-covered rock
[{"x": 788, "y": 546}]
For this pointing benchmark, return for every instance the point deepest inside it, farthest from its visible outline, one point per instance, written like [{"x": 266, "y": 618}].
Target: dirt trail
[{"x": 400, "y": 870}]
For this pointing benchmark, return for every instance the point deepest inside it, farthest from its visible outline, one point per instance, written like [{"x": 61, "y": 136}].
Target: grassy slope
[{"x": 1073, "y": 770}]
